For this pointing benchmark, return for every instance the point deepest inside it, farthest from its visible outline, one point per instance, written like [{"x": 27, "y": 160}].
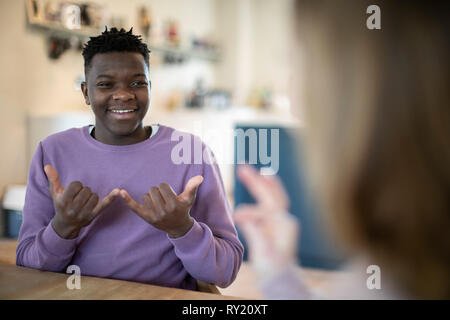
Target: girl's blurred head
[{"x": 377, "y": 115}]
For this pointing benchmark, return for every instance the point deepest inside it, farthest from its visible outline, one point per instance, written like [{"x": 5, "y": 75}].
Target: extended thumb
[
  {"x": 53, "y": 178},
  {"x": 190, "y": 190}
]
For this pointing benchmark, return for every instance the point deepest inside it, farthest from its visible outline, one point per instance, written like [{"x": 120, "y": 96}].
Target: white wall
[
  {"x": 258, "y": 54},
  {"x": 271, "y": 41}
]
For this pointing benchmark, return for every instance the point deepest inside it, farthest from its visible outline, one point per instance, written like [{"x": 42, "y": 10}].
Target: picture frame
[{"x": 35, "y": 11}]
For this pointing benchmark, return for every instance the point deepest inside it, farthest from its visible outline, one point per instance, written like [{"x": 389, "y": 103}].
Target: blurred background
[{"x": 215, "y": 66}]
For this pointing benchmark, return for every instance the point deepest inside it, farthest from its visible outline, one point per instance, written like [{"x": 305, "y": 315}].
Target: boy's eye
[
  {"x": 103, "y": 84},
  {"x": 139, "y": 84}
]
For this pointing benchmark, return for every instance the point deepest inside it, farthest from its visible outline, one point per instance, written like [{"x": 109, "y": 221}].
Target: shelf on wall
[
  {"x": 209, "y": 55},
  {"x": 57, "y": 29}
]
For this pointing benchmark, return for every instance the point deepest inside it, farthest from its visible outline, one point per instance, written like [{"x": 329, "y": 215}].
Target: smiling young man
[
  {"x": 118, "y": 85},
  {"x": 182, "y": 230}
]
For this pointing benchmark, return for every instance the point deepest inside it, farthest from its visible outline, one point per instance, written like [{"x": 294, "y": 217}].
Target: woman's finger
[{"x": 253, "y": 182}]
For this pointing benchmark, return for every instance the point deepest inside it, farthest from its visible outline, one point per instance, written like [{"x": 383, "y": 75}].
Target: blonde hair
[{"x": 378, "y": 125}]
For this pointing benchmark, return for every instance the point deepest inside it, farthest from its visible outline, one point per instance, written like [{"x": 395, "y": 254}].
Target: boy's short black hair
[{"x": 114, "y": 40}]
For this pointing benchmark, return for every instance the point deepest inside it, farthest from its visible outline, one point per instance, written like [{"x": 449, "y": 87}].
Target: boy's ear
[{"x": 85, "y": 92}]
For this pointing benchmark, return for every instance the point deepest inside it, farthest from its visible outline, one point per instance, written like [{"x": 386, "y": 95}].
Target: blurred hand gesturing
[{"x": 271, "y": 232}]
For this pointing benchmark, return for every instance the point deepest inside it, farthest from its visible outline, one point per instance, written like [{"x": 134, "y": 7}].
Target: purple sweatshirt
[{"x": 118, "y": 243}]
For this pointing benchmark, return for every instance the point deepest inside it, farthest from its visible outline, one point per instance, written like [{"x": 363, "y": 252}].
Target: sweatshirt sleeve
[
  {"x": 211, "y": 251},
  {"x": 39, "y": 246}
]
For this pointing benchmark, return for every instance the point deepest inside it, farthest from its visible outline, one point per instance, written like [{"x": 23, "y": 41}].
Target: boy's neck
[{"x": 135, "y": 137}]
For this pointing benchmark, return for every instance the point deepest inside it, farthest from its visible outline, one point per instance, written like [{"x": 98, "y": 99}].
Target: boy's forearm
[
  {"x": 45, "y": 250},
  {"x": 209, "y": 258}
]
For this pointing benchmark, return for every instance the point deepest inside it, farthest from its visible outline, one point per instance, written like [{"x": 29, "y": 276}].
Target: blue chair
[{"x": 316, "y": 249}]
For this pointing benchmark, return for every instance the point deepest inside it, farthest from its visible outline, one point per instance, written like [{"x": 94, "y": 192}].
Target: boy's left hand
[{"x": 166, "y": 211}]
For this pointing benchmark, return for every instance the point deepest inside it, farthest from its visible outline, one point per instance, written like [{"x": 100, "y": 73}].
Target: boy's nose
[{"x": 122, "y": 94}]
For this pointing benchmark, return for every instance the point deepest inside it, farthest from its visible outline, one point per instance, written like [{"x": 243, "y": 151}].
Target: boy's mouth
[{"x": 122, "y": 113}]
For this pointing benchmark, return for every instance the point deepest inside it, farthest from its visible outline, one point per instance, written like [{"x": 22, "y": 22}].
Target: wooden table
[
  {"x": 25, "y": 283},
  {"x": 8, "y": 250}
]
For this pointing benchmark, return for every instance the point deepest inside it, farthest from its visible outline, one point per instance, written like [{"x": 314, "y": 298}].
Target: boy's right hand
[{"x": 75, "y": 206}]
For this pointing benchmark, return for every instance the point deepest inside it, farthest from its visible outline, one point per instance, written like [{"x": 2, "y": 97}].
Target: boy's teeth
[{"x": 121, "y": 111}]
